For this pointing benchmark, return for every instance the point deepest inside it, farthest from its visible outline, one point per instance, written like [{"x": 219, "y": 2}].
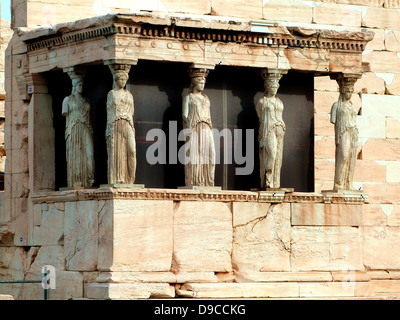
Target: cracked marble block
[
  {"x": 326, "y": 249},
  {"x": 136, "y": 235},
  {"x": 261, "y": 236},
  {"x": 81, "y": 235},
  {"x": 202, "y": 237}
]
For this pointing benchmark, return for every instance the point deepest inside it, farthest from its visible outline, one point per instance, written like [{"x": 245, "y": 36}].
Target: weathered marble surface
[
  {"x": 120, "y": 131},
  {"x": 271, "y": 130},
  {"x": 196, "y": 114},
  {"x": 78, "y": 134},
  {"x": 344, "y": 117}
]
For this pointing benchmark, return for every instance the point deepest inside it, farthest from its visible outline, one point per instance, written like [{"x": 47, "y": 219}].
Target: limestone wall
[
  {"x": 5, "y": 35},
  {"x": 230, "y": 248}
]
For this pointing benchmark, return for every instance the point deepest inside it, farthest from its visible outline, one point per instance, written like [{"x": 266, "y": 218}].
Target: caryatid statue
[
  {"x": 343, "y": 116},
  {"x": 120, "y": 132},
  {"x": 271, "y": 130},
  {"x": 78, "y": 134},
  {"x": 200, "y": 169}
]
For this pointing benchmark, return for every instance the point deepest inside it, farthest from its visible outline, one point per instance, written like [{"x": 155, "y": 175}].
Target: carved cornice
[
  {"x": 192, "y": 195},
  {"x": 70, "y": 37},
  {"x": 168, "y": 29}
]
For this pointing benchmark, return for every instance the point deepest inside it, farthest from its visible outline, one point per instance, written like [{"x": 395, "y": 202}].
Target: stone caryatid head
[
  {"x": 77, "y": 76},
  {"x": 198, "y": 79},
  {"x": 120, "y": 73},
  {"x": 271, "y": 82},
  {"x": 346, "y": 87}
]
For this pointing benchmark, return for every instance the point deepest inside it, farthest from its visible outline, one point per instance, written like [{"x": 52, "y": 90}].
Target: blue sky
[{"x": 6, "y": 10}]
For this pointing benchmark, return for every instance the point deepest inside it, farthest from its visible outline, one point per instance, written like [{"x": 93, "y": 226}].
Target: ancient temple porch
[{"x": 163, "y": 242}]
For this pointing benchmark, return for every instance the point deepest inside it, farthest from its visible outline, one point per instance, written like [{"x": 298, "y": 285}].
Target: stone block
[
  {"x": 322, "y": 185},
  {"x": 378, "y": 42},
  {"x": 119, "y": 291},
  {"x": 202, "y": 237},
  {"x": 323, "y": 101},
  {"x": 371, "y": 126},
  {"x": 243, "y": 277},
  {"x": 287, "y": 10},
  {"x": 326, "y": 249},
  {"x": 37, "y": 214},
  {"x": 350, "y": 276},
  {"x": 369, "y": 171},
  {"x": 393, "y": 172},
  {"x": 323, "y": 125},
  {"x": 392, "y": 40},
  {"x": 250, "y": 9},
  {"x": 378, "y": 289},
  {"x": 393, "y": 218},
  {"x": 69, "y": 285},
  {"x": 392, "y": 83},
  {"x": 51, "y": 230},
  {"x": 90, "y": 277},
  {"x": 20, "y": 160},
  {"x": 381, "y": 18},
  {"x": 333, "y": 289},
  {"x": 371, "y": 3},
  {"x": 392, "y": 128},
  {"x": 12, "y": 262},
  {"x": 81, "y": 234},
  {"x": 19, "y": 216},
  {"x": 337, "y": 14},
  {"x": 156, "y": 277},
  {"x": 191, "y": 6},
  {"x": 324, "y": 147},
  {"x": 380, "y": 245},
  {"x": 239, "y": 290},
  {"x": 324, "y": 169},
  {"x": 325, "y": 83},
  {"x": 48, "y": 255},
  {"x": 381, "y": 61},
  {"x": 261, "y": 239},
  {"x": 373, "y": 215},
  {"x": 19, "y": 136},
  {"x": 324, "y": 214},
  {"x": 381, "y": 149},
  {"x": 136, "y": 235},
  {"x": 370, "y": 83},
  {"x": 383, "y": 193},
  {"x": 40, "y": 15},
  {"x": 380, "y": 105},
  {"x": 20, "y": 184}
]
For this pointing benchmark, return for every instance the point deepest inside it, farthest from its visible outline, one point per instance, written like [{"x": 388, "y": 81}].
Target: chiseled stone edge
[
  {"x": 172, "y": 27},
  {"x": 191, "y": 195}
]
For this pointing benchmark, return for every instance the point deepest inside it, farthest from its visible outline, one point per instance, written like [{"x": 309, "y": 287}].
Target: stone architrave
[
  {"x": 120, "y": 132},
  {"x": 344, "y": 117},
  {"x": 200, "y": 156},
  {"x": 271, "y": 130},
  {"x": 78, "y": 133}
]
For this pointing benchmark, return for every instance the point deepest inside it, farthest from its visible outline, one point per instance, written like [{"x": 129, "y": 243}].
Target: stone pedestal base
[
  {"x": 75, "y": 188},
  {"x": 201, "y": 188},
  {"x": 286, "y": 190},
  {"x": 349, "y": 194},
  {"x": 116, "y": 185},
  {"x": 274, "y": 195}
]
